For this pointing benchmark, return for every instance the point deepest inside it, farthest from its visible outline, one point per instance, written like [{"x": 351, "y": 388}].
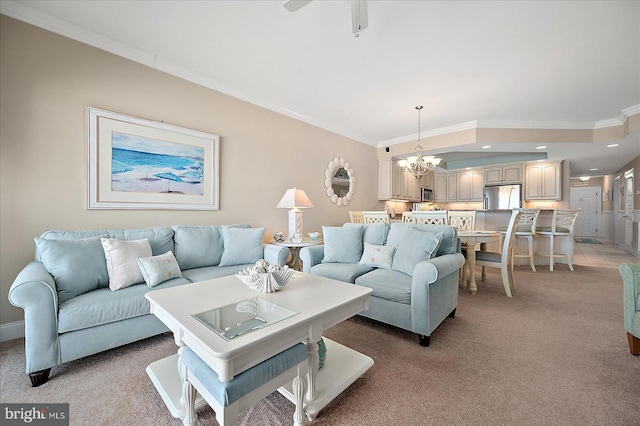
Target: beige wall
[{"x": 48, "y": 81}]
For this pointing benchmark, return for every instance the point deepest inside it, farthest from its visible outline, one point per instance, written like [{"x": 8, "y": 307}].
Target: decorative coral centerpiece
[{"x": 266, "y": 278}]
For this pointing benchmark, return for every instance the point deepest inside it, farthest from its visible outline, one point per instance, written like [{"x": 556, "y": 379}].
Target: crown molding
[{"x": 23, "y": 13}]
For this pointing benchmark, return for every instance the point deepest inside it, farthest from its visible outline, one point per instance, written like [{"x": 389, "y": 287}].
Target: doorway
[
  {"x": 587, "y": 199},
  {"x": 627, "y": 209}
]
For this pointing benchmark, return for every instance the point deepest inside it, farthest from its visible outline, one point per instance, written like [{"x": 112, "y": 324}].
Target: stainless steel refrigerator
[{"x": 502, "y": 197}]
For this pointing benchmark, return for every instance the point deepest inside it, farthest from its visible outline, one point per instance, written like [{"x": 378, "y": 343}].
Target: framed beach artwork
[{"x": 141, "y": 164}]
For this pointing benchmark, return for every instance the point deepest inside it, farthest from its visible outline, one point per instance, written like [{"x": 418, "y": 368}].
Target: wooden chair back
[
  {"x": 356, "y": 216},
  {"x": 463, "y": 220},
  {"x": 378, "y": 216},
  {"x": 433, "y": 217}
]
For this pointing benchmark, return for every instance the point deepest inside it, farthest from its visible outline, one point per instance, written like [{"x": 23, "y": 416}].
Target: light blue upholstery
[
  {"x": 418, "y": 303},
  {"x": 631, "y": 298},
  {"x": 60, "y": 328},
  {"x": 227, "y": 393},
  {"x": 241, "y": 246},
  {"x": 372, "y": 233},
  {"x": 342, "y": 244},
  {"x": 415, "y": 246},
  {"x": 347, "y": 272},
  {"x": 78, "y": 266}
]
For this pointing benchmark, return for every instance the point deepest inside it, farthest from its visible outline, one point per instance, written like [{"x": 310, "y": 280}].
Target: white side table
[{"x": 294, "y": 261}]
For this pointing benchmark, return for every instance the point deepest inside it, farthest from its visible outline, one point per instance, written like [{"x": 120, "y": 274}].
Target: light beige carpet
[{"x": 554, "y": 354}]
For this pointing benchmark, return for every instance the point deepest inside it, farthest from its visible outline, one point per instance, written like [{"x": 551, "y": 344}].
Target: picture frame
[{"x": 141, "y": 164}]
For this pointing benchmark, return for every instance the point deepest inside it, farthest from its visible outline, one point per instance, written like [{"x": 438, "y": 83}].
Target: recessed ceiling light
[
  {"x": 612, "y": 145},
  {"x": 486, "y": 147},
  {"x": 594, "y": 169},
  {"x": 541, "y": 147}
]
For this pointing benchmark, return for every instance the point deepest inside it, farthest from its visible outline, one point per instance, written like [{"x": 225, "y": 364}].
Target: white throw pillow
[
  {"x": 122, "y": 261},
  {"x": 158, "y": 269},
  {"x": 377, "y": 256}
]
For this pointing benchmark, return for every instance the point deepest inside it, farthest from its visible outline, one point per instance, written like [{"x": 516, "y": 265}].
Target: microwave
[{"x": 426, "y": 195}]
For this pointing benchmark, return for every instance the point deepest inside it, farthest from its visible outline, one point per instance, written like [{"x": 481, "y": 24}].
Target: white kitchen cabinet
[
  {"x": 452, "y": 187},
  {"x": 385, "y": 179},
  {"x": 440, "y": 188},
  {"x": 428, "y": 181},
  {"x": 543, "y": 181},
  {"x": 469, "y": 185},
  {"x": 396, "y": 183},
  {"x": 503, "y": 174}
]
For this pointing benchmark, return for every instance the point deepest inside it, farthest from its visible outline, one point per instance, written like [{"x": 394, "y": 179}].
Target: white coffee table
[{"x": 319, "y": 303}]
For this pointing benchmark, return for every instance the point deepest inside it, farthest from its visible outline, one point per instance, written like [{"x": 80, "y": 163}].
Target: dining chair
[
  {"x": 562, "y": 226},
  {"x": 463, "y": 220},
  {"x": 377, "y": 216},
  {"x": 407, "y": 217},
  {"x": 526, "y": 228},
  {"x": 356, "y": 216},
  {"x": 431, "y": 217},
  {"x": 503, "y": 260}
]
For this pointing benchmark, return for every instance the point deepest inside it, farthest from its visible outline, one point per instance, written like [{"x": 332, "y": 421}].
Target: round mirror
[{"x": 340, "y": 181}]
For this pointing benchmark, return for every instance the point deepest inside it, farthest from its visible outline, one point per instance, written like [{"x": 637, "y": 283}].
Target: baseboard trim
[{"x": 13, "y": 330}]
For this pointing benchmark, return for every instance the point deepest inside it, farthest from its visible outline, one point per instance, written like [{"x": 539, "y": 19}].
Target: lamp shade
[{"x": 294, "y": 198}]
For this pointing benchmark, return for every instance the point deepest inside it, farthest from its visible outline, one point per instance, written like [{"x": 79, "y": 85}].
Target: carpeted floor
[{"x": 554, "y": 354}]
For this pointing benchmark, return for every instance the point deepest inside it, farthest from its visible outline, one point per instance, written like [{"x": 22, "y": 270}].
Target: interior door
[{"x": 587, "y": 199}]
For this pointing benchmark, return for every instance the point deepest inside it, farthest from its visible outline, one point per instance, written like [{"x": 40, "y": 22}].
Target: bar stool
[
  {"x": 562, "y": 226},
  {"x": 526, "y": 228}
]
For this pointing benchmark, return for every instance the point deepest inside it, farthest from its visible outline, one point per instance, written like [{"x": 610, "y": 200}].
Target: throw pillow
[
  {"x": 158, "y": 269},
  {"x": 377, "y": 256},
  {"x": 122, "y": 261},
  {"x": 242, "y": 246},
  {"x": 415, "y": 247},
  {"x": 77, "y": 266},
  {"x": 342, "y": 244},
  {"x": 374, "y": 233}
]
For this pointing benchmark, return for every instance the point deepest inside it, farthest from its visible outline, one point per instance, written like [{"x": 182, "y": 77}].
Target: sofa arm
[
  {"x": 428, "y": 271},
  {"x": 311, "y": 256},
  {"x": 275, "y": 255},
  {"x": 631, "y": 278},
  {"x": 34, "y": 290}
]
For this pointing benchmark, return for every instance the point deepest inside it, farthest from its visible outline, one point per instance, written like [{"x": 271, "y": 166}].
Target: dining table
[{"x": 470, "y": 239}]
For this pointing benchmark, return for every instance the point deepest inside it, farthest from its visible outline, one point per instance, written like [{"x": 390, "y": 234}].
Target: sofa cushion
[
  {"x": 77, "y": 266},
  {"x": 104, "y": 306},
  {"x": 377, "y": 256},
  {"x": 160, "y": 239},
  {"x": 242, "y": 246},
  {"x": 158, "y": 269},
  {"x": 449, "y": 244},
  {"x": 389, "y": 285},
  {"x": 416, "y": 246},
  {"x": 227, "y": 393},
  {"x": 346, "y": 272},
  {"x": 342, "y": 244},
  {"x": 197, "y": 246},
  {"x": 211, "y": 272},
  {"x": 373, "y": 233},
  {"x": 121, "y": 258}
]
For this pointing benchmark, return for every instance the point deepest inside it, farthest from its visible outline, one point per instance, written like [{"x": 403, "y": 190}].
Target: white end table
[{"x": 294, "y": 261}]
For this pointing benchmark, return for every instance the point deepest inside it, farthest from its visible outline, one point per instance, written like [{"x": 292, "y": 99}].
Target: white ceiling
[{"x": 542, "y": 64}]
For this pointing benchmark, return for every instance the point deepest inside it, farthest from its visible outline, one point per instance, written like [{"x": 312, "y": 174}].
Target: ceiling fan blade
[
  {"x": 359, "y": 16},
  {"x": 293, "y": 5}
]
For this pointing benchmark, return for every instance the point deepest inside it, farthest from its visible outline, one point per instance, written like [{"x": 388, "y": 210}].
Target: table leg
[
  {"x": 188, "y": 394},
  {"x": 471, "y": 258},
  {"x": 314, "y": 359},
  {"x": 298, "y": 387}
]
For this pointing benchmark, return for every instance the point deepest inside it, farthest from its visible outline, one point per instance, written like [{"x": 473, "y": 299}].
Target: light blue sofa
[
  {"x": 410, "y": 293},
  {"x": 631, "y": 280},
  {"x": 62, "y": 326}
]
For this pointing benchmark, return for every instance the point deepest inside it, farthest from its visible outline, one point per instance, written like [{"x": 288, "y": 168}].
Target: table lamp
[{"x": 294, "y": 199}]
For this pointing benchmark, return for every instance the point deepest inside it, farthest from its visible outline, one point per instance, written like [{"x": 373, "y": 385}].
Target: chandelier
[{"x": 419, "y": 165}]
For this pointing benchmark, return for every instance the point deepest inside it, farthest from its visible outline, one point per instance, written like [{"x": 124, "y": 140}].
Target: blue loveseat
[
  {"x": 412, "y": 270},
  {"x": 70, "y": 310}
]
